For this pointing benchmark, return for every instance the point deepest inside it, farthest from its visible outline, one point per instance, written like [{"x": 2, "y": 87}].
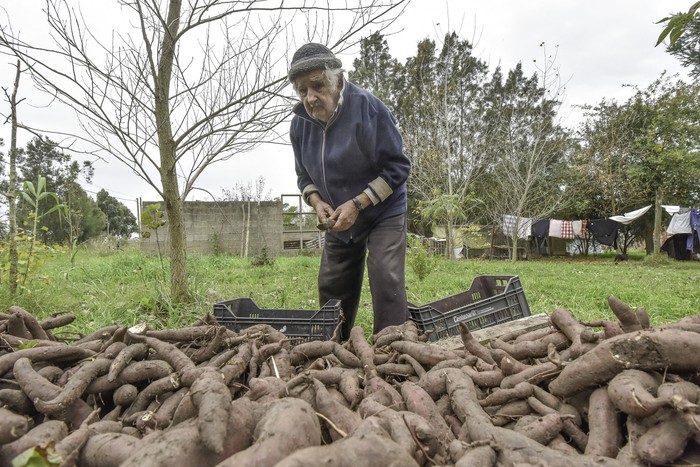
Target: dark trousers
[{"x": 342, "y": 269}]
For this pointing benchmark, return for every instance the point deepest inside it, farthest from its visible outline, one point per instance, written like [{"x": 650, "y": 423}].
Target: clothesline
[{"x": 603, "y": 230}]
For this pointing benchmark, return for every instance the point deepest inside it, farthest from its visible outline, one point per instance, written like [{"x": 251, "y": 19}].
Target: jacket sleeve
[{"x": 386, "y": 146}]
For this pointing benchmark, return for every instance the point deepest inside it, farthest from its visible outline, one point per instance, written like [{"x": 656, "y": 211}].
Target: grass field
[{"x": 105, "y": 286}]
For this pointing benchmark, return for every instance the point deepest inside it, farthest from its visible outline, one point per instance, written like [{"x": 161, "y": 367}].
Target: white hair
[{"x": 333, "y": 75}]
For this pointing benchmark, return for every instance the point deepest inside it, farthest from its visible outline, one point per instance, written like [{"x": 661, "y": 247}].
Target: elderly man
[{"x": 352, "y": 170}]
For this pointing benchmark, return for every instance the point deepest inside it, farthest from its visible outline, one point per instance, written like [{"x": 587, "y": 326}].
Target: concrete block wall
[{"x": 224, "y": 227}]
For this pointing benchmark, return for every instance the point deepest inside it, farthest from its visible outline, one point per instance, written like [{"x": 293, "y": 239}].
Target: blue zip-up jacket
[{"x": 359, "y": 149}]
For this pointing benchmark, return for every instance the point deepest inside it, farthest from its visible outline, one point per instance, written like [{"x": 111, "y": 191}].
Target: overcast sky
[{"x": 600, "y": 46}]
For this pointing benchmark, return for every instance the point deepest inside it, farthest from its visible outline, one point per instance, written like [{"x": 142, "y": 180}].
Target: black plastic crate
[
  {"x": 489, "y": 301},
  {"x": 298, "y": 325}
]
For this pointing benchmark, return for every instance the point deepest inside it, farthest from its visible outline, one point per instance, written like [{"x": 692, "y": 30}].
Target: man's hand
[
  {"x": 323, "y": 210},
  {"x": 345, "y": 216}
]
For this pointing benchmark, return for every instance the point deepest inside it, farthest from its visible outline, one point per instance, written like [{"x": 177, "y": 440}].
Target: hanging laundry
[
  {"x": 579, "y": 228},
  {"x": 567, "y": 230},
  {"x": 604, "y": 231},
  {"x": 628, "y": 217},
  {"x": 680, "y": 224},
  {"x": 555, "y": 228},
  {"x": 695, "y": 228},
  {"x": 524, "y": 225},
  {"x": 541, "y": 228}
]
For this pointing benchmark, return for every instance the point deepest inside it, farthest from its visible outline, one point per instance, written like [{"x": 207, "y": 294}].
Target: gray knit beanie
[{"x": 311, "y": 57}]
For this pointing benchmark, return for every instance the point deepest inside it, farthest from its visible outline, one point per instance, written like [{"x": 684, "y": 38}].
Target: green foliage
[
  {"x": 418, "y": 259},
  {"x": 35, "y": 196},
  {"x": 677, "y": 24},
  {"x": 120, "y": 221},
  {"x": 263, "y": 258},
  {"x": 81, "y": 219},
  {"x": 152, "y": 217},
  {"x": 38, "y": 456}
]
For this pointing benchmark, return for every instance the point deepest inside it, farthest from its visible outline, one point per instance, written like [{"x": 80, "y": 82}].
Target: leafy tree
[
  {"x": 643, "y": 151},
  {"x": 119, "y": 220},
  {"x": 666, "y": 138},
  {"x": 376, "y": 70},
  {"x": 169, "y": 111},
  {"x": 44, "y": 158},
  {"x": 687, "y": 47}
]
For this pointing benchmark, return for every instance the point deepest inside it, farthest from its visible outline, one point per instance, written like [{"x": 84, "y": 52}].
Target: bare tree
[
  {"x": 12, "y": 186},
  {"x": 186, "y": 84},
  {"x": 526, "y": 145}
]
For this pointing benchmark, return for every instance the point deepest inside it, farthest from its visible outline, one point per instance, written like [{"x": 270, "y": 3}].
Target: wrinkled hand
[
  {"x": 323, "y": 212},
  {"x": 345, "y": 216}
]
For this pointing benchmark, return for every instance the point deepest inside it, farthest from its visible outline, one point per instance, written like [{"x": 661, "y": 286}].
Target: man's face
[{"x": 315, "y": 92}]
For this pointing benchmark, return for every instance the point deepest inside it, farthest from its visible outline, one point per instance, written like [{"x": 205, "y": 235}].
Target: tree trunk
[
  {"x": 12, "y": 192},
  {"x": 168, "y": 159},
  {"x": 657, "y": 221}
]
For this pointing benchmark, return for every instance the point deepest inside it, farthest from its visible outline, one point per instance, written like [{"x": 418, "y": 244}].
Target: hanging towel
[
  {"x": 578, "y": 228},
  {"x": 524, "y": 226},
  {"x": 567, "y": 229},
  {"x": 555, "y": 228}
]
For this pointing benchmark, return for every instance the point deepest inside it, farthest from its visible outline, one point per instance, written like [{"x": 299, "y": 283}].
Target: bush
[{"x": 418, "y": 259}]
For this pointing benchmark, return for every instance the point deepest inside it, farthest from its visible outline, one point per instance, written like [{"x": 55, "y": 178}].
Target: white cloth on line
[{"x": 628, "y": 217}]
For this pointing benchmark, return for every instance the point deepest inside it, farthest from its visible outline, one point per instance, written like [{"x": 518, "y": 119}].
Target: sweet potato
[
  {"x": 315, "y": 349},
  {"x": 381, "y": 391},
  {"x": 634, "y": 392},
  {"x": 32, "y": 325},
  {"x": 604, "y": 426},
  {"x": 522, "y": 390},
  {"x": 531, "y": 374},
  {"x": 578, "y": 437},
  {"x": 212, "y": 399},
  {"x": 51, "y": 431},
  {"x": 167, "y": 352},
  {"x": 531, "y": 349},
  {"x": 479, "y": 456},
  {"x": 424, "y": 353},
  {"x": 627, "y": 317},
  {"x": 183, "y": 446},
  {"x": 12, "y": 425},
  {"x": 134, "y": 372},
  {"x": 352, "y": 452},
  {"x": 419, "y": 401},
  {"x": 108, "y": 449},
  {"x": 341, "y": 420},
  {"x": 542, "y": 429},
  {"x": 64, "y": 355},
  {"x": 75, "y": 387},
  {"x": 473, "y": 346},
  {"x": 665, "y": 441},
  {"x": 136, "y": 351},
  {"x": 287, "y": 426},
  {"x": 418, "y": 369},
  {"x": 39, "y": 388},
  {"x": 17, "y": 400},
  {"x": 149, "y": 393},
  {"x": 653, "y": 349}
]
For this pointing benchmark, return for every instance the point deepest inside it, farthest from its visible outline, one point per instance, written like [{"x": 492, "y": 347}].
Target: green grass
[{"x": 125, "y": 287}]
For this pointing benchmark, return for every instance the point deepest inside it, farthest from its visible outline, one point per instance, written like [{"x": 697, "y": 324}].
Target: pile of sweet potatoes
[{"x": 604, "y": 393}]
